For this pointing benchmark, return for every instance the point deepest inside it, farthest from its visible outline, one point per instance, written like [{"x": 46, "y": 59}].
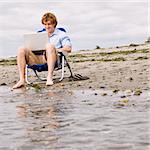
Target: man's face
[{"x": 49, "y": 26}]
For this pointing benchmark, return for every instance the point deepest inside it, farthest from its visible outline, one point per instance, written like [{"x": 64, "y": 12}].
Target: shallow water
[{"x": 73, "y": 120}]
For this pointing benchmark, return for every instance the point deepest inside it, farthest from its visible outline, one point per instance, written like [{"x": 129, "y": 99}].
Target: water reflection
[
  {"x": 73, "y": 120},
  {"x": 40, "y": 118}
]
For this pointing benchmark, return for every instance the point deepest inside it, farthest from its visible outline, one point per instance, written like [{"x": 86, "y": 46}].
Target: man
[{"x": 58, "y": 42}]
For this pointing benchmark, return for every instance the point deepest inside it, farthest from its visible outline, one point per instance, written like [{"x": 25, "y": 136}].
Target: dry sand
[{"x": 119, "y": 68}]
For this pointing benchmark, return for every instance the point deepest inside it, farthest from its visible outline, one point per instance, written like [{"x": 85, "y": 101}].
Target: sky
[{"x": 88, "y": 23}]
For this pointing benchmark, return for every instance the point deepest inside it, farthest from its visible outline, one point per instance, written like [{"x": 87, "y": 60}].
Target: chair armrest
[{"x": 63, "y": 53}]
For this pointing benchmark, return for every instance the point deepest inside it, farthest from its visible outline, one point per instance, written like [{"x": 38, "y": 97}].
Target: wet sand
[{"x": 119, "y": 68}]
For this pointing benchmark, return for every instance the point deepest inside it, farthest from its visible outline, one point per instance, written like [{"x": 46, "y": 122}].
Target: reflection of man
[
  {"x": 58, "y": 41},
  {"x": 22, "y": 110},
  {"x": 38, "y": 120}
]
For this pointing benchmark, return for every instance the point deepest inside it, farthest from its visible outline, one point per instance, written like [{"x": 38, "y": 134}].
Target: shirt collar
[{"x": 55, "y": 32}]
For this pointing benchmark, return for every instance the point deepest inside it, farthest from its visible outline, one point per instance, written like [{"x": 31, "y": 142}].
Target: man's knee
[
  {"x": 50, "y": 48},
  {"x": 22, "y": 50}
]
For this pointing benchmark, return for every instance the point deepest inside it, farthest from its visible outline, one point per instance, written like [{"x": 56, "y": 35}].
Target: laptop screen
[{"x": 36, "y": 41}]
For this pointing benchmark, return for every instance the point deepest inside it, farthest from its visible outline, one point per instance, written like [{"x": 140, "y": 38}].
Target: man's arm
[{"x": 65, "y": 49}]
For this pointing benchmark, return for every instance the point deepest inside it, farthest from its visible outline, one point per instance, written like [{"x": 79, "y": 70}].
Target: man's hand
[{"x": 65, "y": 49}]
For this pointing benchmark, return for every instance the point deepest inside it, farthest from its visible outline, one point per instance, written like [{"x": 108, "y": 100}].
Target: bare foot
[
  {"x": 49, "y": 82},
  {"x": 19, "y": 84}
]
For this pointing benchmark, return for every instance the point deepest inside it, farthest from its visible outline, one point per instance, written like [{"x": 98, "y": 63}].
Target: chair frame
[{"x": 64, "y": 63}]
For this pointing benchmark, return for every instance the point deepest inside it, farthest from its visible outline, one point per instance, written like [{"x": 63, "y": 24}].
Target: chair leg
[
  {"x": 71, "y": 74},
  {"x": 26, "y": 75},
  {"x": 40, "y": 78},
  {"x": 63, "y": 68}
]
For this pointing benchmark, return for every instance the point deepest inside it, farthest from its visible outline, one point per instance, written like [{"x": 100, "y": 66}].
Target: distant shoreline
[{"x": 76, "y": 51}]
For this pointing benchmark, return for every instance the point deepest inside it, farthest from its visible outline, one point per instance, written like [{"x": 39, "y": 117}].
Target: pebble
[
  {"x": 130, "y": 78},
  {"x": 102, "y": 87},
  {"x": 123, "y": 96},
  {"x": 3, "y": 84},
  {"x": 104, "y": 94},
  {"x": 115, "y": 91}
]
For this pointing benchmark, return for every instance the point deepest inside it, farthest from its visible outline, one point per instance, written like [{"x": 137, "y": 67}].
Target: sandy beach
[{"x": 117, "y": 68}]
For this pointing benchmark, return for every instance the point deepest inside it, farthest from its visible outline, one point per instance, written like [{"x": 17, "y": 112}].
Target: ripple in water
[{"x": 86, "y": 119}]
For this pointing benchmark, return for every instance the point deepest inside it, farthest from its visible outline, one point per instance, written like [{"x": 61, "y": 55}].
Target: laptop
[{"x": 36, "y": 41}]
